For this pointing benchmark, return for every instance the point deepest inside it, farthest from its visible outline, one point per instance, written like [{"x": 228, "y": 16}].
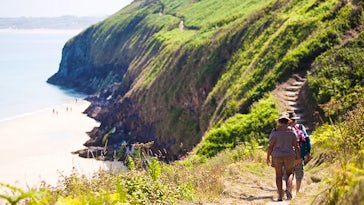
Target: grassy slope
[
  {"x": 240, "y": 52},
  {"x": 304, "y": 33},
  {"x": 185, "y": 82}
]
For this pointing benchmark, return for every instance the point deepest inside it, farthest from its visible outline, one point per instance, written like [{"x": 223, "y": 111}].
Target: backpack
[
  {"x": 302, "y": 134},
  {"x": 304, "y": 141}
]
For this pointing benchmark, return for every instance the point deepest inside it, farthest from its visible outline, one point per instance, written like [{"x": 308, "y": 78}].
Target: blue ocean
[{"x": 27, "y": 59}]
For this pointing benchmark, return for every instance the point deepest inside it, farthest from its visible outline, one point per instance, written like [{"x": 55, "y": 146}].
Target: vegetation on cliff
[{"x": 336, "y": 78}]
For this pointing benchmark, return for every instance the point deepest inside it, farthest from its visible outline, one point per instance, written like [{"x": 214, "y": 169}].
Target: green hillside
[{"x": 173, "y": 71}]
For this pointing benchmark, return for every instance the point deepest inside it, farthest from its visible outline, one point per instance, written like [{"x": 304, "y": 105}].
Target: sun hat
[
  {"x": 292, "y": 115},
  {"x": 284, "y": 115}
]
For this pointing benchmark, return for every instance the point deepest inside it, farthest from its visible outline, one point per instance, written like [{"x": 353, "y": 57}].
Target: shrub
[{"x": 256, "y": 125}]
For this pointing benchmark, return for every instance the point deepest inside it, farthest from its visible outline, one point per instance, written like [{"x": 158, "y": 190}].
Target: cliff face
[
  {"x": 166, "y": 71},
  {"x": 102, "y": 54}
]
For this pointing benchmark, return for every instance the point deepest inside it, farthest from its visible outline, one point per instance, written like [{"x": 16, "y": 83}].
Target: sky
[{"x": 54, "y": 8}]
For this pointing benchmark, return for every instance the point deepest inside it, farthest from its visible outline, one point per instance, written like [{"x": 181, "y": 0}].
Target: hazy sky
[{"x": 41, "y": 8}]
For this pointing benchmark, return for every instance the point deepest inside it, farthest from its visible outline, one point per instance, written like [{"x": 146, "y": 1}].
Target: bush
[
  {"x": 256, "y": 125},
  {"x": 336, "y": 79}
]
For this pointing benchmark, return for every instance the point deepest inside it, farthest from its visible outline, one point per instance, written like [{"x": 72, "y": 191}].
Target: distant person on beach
[
  {"x": 285, "y": 152},
  {"x": 304, "y": 142}
]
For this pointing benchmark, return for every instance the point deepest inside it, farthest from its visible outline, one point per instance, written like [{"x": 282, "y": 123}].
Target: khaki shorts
[
  {"x": 286, "y": 161},
  {"x": 298, "y": 171}
]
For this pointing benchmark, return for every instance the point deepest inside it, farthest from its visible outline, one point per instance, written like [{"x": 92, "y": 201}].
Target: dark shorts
[{"x": 286, "y": 161}]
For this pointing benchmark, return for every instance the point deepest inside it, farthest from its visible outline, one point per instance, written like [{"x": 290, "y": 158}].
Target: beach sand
[{"x": 37, "y": 147}]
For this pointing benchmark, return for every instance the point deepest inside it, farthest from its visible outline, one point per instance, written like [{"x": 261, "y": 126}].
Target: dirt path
[{"x": 250, "y": 183}]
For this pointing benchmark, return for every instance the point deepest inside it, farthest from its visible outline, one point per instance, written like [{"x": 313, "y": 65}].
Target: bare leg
[
  {"x": 289, "y": 183},
  {"x": 279, "y": 182},
  {"x": 298, "y": 185}
]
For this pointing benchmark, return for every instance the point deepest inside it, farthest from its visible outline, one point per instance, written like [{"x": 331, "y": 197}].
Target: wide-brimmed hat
[
  {"x": 292, "y": 115},
  {"x": 284, "y": 115}
]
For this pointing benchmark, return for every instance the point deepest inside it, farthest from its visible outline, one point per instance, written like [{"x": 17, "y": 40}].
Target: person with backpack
[
  {"x": 284, "y": 149},
  {"x": 304, "y": 142}
]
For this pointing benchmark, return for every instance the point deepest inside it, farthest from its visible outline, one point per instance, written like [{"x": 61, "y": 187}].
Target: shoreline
[
  {"x": 26, "y": 114},
  {"x": 41, "y": 31},
  {"x": 38, "y": 146}
]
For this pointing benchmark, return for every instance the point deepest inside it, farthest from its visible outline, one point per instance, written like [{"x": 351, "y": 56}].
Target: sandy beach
[{"x": 37, "y": 146}]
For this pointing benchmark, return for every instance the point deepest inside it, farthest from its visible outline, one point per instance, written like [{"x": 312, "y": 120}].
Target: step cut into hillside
[{"x": 292, "y": 95}]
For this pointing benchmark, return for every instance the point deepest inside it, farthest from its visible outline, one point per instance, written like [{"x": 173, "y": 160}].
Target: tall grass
[
  {"x": 192, "y": 180},
  {"x": 14, "y": 195},
  {"x": 342, "y": 143}
]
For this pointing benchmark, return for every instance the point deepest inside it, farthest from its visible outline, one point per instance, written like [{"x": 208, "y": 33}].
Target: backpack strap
[{"x": 300, "y": 126}]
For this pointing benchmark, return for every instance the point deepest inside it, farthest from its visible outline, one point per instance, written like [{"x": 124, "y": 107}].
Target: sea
[
  {"x": 27, "y": 59},
  {"x": 35, "y": 144}
]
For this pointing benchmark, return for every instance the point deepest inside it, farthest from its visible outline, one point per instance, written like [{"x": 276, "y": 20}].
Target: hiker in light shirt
[{"x": 285, "y": 152}]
